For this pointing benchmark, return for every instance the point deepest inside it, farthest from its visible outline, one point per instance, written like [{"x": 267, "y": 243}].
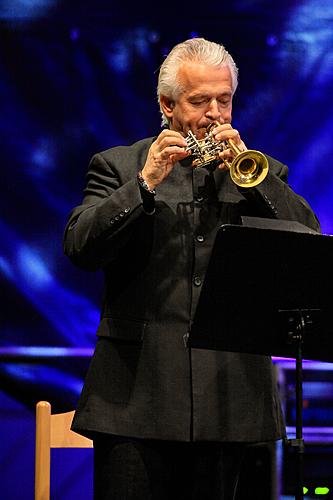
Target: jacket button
[
  {"x": 200, "y": 238},
  {"x": 127, "y": 209},
  {"x": 199, "y": 199},
  {"x": 197, "y": 280}
]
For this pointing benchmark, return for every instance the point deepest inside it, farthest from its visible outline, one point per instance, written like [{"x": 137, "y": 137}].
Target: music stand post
[
  {"x": 299, "y": 322},
  {"x": 294, "y": 316}
]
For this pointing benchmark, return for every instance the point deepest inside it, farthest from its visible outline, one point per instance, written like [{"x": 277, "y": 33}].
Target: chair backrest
[{"x": 52, "y": 431}]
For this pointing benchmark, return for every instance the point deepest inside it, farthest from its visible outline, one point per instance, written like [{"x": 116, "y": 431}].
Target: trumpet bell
[{"x": 249, "y": 168}]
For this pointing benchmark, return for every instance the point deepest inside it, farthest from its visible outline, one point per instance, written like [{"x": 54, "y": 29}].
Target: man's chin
[{"x": 199, "y": 132}]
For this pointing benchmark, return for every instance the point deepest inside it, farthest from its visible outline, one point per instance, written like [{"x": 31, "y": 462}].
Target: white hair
[{"x": 197, "y": 50}]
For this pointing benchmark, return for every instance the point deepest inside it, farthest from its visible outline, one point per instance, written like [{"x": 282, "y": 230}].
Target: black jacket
[{"x": 143, "y": 380}]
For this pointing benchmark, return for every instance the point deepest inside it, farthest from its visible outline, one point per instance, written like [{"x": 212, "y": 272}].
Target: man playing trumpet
[{"x": 168, "y": 421}]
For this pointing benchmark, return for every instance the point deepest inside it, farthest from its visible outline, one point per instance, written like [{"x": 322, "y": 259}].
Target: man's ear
[{"x": 167, "y": 105}]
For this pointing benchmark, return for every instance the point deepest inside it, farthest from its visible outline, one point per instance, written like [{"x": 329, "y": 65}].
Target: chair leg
[{"x": 42, "y": 452}]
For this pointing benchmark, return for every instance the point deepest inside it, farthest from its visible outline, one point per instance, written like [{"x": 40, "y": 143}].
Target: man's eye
[{"x": 224, "y": 102}]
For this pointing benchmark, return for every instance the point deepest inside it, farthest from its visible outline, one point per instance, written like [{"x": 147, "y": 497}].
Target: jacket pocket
[{"x": 127, "y": 330}]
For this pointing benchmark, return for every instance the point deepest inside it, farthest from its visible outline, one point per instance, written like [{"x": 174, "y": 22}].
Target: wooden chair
[{"x": 52, "y": 431}]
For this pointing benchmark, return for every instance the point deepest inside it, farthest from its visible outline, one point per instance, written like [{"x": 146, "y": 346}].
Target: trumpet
[{"x": 248, "y": 169}]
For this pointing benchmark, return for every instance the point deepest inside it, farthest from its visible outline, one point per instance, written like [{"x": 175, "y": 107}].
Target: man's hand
[
  {"x": 168, "y": 148},
  {"x": 225, "y": 132}
]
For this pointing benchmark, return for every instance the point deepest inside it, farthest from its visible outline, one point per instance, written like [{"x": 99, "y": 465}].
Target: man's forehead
[
  {"x": 197, "y": 68},
  {"x": 203, "y": 93},
  {"x": 201, "y": 77}
]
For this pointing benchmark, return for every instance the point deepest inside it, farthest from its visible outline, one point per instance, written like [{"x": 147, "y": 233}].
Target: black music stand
[{"x": 268, "y": 290}]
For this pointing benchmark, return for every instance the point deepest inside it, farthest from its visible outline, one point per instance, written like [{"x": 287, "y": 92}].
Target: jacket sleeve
[
  {"x": 275, "y": 198},
  {"x": 99, "y": 228}
]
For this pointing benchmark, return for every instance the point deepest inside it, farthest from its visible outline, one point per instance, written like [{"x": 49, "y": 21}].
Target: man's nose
[{"x": 213, "y": 110}]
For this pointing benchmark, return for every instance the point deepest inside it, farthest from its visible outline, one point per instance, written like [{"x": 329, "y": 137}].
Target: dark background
[{"x": 77, "y": 77}]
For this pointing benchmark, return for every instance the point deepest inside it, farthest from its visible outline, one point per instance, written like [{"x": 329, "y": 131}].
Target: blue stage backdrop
[{"x": 79, "y": 77}]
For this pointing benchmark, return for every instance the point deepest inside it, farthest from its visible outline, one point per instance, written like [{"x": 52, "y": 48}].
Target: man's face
[{"x": 207, "y": 96}]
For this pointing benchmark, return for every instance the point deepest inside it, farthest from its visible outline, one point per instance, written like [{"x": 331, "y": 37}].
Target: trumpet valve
[{"x": 205, "y": 151}]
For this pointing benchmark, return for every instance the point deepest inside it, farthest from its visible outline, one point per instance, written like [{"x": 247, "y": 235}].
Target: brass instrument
[{"x": 248, "y": 169}]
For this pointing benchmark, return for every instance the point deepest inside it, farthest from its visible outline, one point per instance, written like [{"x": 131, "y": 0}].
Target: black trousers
[{"x": 135, "y": 469}]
